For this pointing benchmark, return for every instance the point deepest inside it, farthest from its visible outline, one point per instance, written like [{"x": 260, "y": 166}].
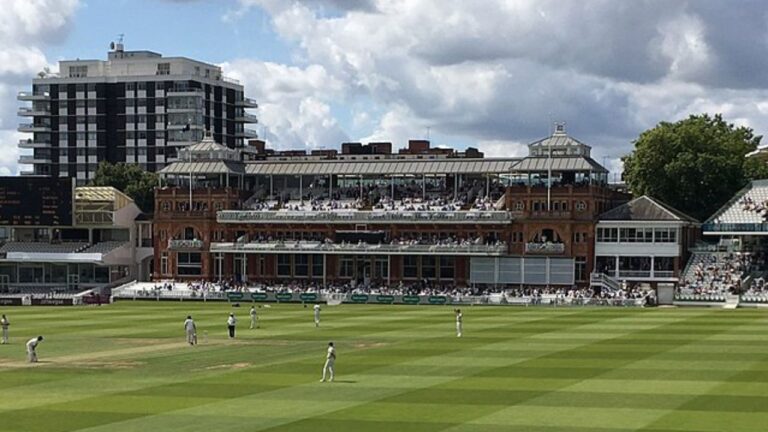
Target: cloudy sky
[{"x": 493, "y": 74}]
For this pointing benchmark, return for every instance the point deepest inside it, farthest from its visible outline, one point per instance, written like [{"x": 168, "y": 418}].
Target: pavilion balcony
[
  {"x": 346, "y": 217},
  {"x": 185, "y": 244},
  {"x": 323, "y": 248}
]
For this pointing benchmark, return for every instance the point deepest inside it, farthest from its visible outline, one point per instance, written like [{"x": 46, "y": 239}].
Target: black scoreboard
[{"x": 34, "y": 201}]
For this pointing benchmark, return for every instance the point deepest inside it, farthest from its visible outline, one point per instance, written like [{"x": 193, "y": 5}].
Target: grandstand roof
[
  {"x": 102, "y": 194},
  {"x": 568, "y": 163},
  {"x": 735, "y": 213},
  {"x": 207, "y": 146},
  {"x": 212, "y": 167},
  {"x": 557, "y": 140},
  {"x": 645, "y": 208},
  {"x": 383, "y": 166}
]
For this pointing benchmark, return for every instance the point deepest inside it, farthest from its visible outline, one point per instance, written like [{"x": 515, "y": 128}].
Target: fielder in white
[
  {"x": 317, "y": 315},
  {"x": 254, "y": 318},
  {"x": 4, "y": 323},
  {"x": 191, "y": 329},
  {"x": 459, "y": 326},
  {"x": 231, "y": 322},
  {"x": 32, "y": 349},
  {"x": 330, "y": 359}
]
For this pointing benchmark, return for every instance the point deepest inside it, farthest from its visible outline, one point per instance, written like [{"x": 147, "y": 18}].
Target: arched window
[{"x": 547, "y": 235}]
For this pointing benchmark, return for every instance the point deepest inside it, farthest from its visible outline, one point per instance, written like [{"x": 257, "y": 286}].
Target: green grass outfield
[{"x": 125, "y": 367}]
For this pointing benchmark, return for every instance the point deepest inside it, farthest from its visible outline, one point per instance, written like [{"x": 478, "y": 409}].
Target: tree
[
  {"x": 131, "y": 180},
  {"x": 695, "y": 164}
]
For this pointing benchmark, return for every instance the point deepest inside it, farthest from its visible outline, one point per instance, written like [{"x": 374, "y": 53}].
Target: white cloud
[
  {"x": 496, "y": 72},
  {"x": 292, "y": 102},
  {"x": 502, "y": 148},
  {"x": 26, "y": 26}
]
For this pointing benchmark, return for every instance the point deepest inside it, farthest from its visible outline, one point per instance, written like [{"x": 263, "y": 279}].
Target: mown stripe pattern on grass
[{"x": 125, "y": 368}]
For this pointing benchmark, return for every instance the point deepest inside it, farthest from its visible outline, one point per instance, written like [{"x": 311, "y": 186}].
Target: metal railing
[
  {"x": 335, "y": 248},
  {"x": 251, "y": 133},
  {"x": 545, "y": 248},
  {"x": 252, "y": 216},
  {"x": 185, "y": 244},
  {"x": 184, "y": 90},
  {"x": 605, "y": 281},
  {"x": 248, "y": 102},
  {"x": 247, "y": 118},
  {"x": 735, "y": 227},
  {"x": 634, "y": 273},
  {"x": 33, "y": 95}
]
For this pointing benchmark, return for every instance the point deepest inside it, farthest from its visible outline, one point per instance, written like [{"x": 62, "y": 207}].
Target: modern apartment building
[{"x": 135, "y": 107}]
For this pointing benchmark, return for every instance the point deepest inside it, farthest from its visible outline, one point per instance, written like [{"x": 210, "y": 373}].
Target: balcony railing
[
  {"x": 30, "y": 144},
  {"x": 551, "y": 214},
  {"x": 641, "y": 274},
  {"x": 247, "y": 133},
  {"x": 190, "y": 92},
  {"x": 185, "y": 244},
  {"x": 735, "y": 227},
  {"x": 183, "y": 91},
  {"x": 31, "y": 112},
  {"x": 247, "y": 118},
  {"x": 31, "y": 159},
  {"x": 31, "y": 127},
  {"x": 248, "y": 103},
  {"x": 345, "y": 217},
  {"x": 354, "y": 248},
  {"x": 634, "y": 273},
  {"x": 181, "y": 214},
  {"x": 28, "y": 96},
  {"x": 545, "y": 248}
]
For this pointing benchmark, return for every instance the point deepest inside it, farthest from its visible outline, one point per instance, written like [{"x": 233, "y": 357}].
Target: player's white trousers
[{"x": 329, "y": 369}]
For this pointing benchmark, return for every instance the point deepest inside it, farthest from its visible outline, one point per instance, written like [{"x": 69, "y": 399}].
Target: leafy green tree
[
  {"x": 131, "y": 180},
  {"x": 695, "y": 164}
]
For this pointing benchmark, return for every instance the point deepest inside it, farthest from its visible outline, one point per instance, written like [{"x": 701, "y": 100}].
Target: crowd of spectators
[
  {"x": 715, "y": 274},
  {"x": 433, "y": 195},
  {"x": 319, "y": 204},
  {"x": 315, "y": 238},
  {"x": 750, "y": 205},
  {"x": 503, "y": 295}
]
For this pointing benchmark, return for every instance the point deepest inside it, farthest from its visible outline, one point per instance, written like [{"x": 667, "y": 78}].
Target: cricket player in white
[
  {"x": 317, "y": 315},
  {"x": 32, "y": 347},
  {"x": 330, "y": 359},
  {"x": 4, "y": 323},
  {"x": 191, "y": 329},
  {"x": 254, "y": 318},
  {"x": 231, "y": 322},
  {"x": 459, "y": 317}
]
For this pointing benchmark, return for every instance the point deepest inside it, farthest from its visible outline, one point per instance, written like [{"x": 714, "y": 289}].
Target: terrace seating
[
  {"x": 43, "y": 247},
  {"x": 316, "y": 205},
  {"x": 103, "y": 247},
  {"x": 752, "y": 208},
  {"x": 712, "y": 275}
]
